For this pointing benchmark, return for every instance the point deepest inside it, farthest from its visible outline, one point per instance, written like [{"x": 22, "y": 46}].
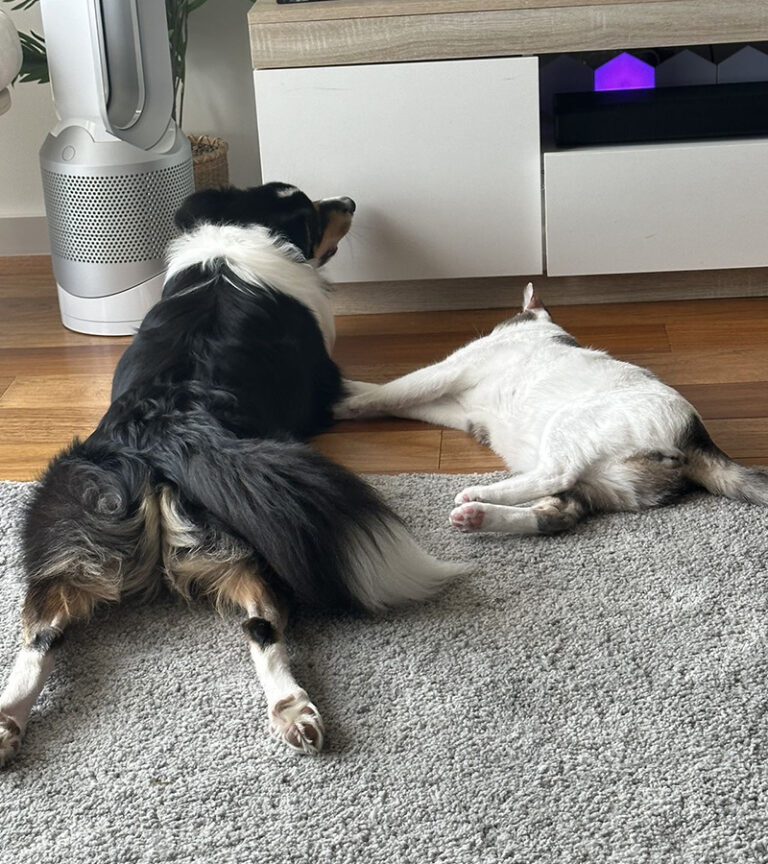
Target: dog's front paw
[
  {"x": 297, "y": 722},
  {"x": 471, "y": 493},
  {"x": 468, "y": 517},
  {"x": 10, "y": 738}
]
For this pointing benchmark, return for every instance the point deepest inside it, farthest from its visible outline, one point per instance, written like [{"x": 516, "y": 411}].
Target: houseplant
[{"x": 209, "y": 153}]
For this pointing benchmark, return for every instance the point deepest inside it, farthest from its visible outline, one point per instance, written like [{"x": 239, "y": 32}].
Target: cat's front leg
[
  {"x": 354, "y": 402},
  {"x": 417, "y": 388},
  {"x": 357, "y": 388}
]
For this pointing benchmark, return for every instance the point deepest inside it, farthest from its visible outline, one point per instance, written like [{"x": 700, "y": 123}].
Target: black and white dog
[{"x": 196, "y": 477}]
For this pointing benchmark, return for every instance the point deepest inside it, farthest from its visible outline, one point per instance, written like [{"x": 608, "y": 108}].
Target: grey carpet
[{"x": 597, "y": 697}]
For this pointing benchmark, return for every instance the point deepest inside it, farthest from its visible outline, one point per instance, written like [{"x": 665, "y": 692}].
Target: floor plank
[
  {"x": 99, "y": 359},
  {"x": 57, "y": 426},
  {"x": 24, "y": 461},
  {"x": 383, "y": 452},
  {"x": 691, "y": 335},
  {"x": 42, "y": 391},
  {"x": 728, "y": 400},
  {"x": 743, "y": 365},
  {"x": 461, "y": 454},
  {"x": 741, "y": 438}
]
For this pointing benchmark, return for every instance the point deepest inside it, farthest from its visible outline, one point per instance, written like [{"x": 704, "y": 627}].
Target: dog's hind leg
[
  {"x": 293, "y": 719},
  {"x": 217, "y": 565},
  {"x": 48, "y": 610}
]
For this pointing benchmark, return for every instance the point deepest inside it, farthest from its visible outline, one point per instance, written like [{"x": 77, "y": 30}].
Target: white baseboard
[{"x": 24, "y": 235}]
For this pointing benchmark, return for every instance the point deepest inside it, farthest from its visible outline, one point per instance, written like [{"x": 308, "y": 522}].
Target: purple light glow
[{"x": 625, "y": 72}]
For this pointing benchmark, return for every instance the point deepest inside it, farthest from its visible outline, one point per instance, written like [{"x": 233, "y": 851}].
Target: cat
[{"x": 580, "y": 431}]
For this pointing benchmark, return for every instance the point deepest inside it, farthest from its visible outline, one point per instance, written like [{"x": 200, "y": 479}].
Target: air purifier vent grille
[{"x": 114, "y": 219}]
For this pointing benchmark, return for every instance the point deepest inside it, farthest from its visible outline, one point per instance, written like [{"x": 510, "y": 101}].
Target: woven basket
[{"x": 209, "y": 157}]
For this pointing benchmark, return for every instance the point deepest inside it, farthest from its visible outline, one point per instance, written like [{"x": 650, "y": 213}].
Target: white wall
[
  {"x": 219, "y": 102},
  {"x": 219, "y": 96},
  {"x": 22, "y": 130}
]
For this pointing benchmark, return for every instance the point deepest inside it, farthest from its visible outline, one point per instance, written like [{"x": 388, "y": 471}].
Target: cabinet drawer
[
  {"x": 442, "y": 159},
  {"x": 648, "y": 208}
]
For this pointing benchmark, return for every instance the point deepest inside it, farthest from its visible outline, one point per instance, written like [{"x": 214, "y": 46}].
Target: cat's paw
[
  {"x": 471, "y": 493},
  {"x": 468, "y": 517}
]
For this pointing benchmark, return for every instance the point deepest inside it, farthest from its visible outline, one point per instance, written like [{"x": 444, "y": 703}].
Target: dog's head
[{"x": 315, "y": 228}]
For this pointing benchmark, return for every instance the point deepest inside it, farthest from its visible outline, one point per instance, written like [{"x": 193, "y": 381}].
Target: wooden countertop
[
  {"x": 338, "y": 32},
  {"x": 272, "y": 12}
]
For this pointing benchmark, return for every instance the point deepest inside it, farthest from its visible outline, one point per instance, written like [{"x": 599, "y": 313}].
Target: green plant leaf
[
  {"x": 24, "y": 4},
  {"x": 34, "y": 64}
]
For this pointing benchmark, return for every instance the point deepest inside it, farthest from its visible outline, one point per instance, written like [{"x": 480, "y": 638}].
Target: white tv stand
[{"x": 428, "y": 115}]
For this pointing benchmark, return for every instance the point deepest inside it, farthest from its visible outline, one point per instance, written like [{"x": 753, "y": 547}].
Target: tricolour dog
[
  {"x": 581, "y": 431},
  {"x": 197, "y": 477}
]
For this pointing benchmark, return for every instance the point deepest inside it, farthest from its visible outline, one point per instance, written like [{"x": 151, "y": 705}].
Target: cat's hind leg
[
  {"x": 550, "y": 515},
  {"x": 522, "y": 488}
]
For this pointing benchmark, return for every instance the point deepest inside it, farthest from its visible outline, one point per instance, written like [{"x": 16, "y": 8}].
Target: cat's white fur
[{"x": 580, "y": 430}]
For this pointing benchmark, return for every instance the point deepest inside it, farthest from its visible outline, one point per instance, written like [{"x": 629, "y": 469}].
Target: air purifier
[{"x": 115, "y": 167}]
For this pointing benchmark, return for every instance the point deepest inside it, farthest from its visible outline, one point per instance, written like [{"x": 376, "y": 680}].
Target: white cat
[{"x": 581, "y": 431}]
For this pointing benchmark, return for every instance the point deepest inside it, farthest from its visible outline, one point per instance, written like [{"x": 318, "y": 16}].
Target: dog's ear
[{"x": 208, "y": 205}]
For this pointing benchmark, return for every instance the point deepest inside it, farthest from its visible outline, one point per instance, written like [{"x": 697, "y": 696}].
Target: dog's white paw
[
  {"x": 468, "y": 517},
  {"x": 471, "y": 493},
  {"x": 10, "y": 738},
  {"x": 297, "y": 722}
]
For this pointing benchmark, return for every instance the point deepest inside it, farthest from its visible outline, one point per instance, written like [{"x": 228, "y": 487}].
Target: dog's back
[{"x": 256, "y": 355}]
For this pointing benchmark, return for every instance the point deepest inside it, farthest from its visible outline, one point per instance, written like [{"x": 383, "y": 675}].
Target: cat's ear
[
  {"x": 530, "y": 299},
  {"x": 531, "y": 303}
]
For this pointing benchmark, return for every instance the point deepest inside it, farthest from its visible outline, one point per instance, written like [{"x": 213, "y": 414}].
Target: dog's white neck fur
[{"x": 257, "y": 257}]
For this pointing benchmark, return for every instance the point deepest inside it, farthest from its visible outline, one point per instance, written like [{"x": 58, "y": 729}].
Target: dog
[
  {"x": 581, "y": 431},
  {"x": 198, "y": 477}
]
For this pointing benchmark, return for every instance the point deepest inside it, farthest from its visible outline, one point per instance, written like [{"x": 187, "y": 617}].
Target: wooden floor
[{"x": 55, "y": 384}]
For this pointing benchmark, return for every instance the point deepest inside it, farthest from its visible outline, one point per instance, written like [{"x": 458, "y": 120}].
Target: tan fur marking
[
  {"x": 338, "y": 225},
  {"x": 10, "y": 725},
  {"x": 226, "y": 574}
]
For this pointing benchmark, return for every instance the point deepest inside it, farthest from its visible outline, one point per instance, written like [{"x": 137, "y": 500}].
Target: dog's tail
[
  {"x": 707, "y": 466},
  {"x": 325, "y": 535}
]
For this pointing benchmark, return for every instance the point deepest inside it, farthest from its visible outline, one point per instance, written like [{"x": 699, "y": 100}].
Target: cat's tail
[{"x": 707, "y": 466}]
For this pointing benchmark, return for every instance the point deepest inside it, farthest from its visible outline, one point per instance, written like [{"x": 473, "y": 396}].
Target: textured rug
[{"x": 596, "y": 697}]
